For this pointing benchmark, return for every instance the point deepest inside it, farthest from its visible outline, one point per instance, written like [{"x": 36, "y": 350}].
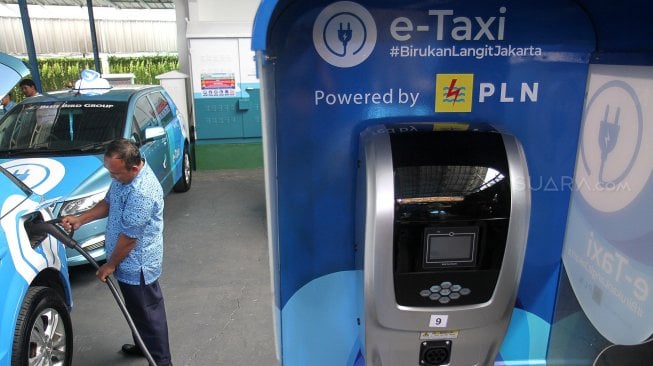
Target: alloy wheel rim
[
  {"x": 47, "y": 341},
  {"x": 186, "y": 168}
]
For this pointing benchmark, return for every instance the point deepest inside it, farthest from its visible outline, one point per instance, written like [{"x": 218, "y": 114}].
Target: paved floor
[{"x": 216, "y": 281}]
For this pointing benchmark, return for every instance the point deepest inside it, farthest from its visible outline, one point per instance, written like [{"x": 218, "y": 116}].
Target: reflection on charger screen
[{"x": 449, "y": 248}]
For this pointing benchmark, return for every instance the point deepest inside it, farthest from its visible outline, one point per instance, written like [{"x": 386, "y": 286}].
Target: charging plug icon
[
  {"x": 344, "y": 36},
  {"x": 608, "y": 135}
]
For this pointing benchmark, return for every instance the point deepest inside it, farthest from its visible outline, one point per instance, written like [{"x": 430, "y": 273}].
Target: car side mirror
[{"x": 153, "y": 133}]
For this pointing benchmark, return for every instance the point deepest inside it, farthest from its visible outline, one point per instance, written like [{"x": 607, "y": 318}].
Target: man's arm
[
  {"x": 100, "y": 210},
  {"x": 124, "y": 245}
]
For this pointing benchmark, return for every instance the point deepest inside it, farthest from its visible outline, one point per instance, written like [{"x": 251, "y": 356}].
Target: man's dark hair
[
  {"x": 125, "y": 150},
  {"x": 28, "y": 82}
]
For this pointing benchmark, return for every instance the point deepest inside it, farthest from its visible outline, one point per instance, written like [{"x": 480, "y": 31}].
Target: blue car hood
[
  {"x": 12, "y": 70},
  {"x": 65, "y": 177}
]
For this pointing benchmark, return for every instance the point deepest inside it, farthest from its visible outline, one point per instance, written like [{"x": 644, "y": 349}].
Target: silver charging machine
[{"x": 443, "y": 215}]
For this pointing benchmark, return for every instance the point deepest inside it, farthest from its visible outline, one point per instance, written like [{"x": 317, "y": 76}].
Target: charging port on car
[{"x": 35, "y": 237}]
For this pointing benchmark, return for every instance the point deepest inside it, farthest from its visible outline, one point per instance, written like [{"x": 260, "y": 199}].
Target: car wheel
[
  {"x": 44, "y": 332},
  {"x": 183, "y": 184}
]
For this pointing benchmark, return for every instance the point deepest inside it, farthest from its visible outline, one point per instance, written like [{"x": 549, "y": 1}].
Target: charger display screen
[{"x": 450, "y": 247}]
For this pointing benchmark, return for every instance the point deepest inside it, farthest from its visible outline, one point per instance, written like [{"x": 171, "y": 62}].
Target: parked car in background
[{"x": 62, "y": 136}]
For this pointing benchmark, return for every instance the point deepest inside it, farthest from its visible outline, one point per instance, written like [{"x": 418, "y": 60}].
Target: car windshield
[{"x": 60, "y": 127}]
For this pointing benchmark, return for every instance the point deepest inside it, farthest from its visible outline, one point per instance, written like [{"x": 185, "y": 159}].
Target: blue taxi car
[
  {"x": 35, "y": 300},
  {"x": 35, "y": 325},
  {"x": 62, "y": 136}
]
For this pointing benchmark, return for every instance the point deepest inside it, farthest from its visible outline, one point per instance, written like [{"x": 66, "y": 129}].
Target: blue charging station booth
[{"x": 348, "y": 85}]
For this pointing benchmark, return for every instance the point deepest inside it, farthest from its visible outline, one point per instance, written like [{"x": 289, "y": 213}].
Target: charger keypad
[{"x": 445, "y": 292}]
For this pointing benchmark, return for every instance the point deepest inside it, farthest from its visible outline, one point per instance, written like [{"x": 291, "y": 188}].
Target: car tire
[
  {"x": 183, "y": 184},
  {"x": 44, "y": 331}
]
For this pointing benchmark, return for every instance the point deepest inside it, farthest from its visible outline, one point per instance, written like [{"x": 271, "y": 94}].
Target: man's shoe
[{"x": 132, "y": 350}]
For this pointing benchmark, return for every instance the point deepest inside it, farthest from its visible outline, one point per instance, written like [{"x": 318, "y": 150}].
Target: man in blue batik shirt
[{"x": 134, "y": 244}]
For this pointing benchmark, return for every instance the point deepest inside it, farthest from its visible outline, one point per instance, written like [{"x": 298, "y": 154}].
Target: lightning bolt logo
[{"x": 453, "y": 91}]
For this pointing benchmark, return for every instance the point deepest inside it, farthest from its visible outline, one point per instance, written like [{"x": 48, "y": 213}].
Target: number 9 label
[{"x": 438, "y": 321}]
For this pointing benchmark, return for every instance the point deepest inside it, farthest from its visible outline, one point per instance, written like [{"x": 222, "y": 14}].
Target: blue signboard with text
[{"x": 329, "y": 69}]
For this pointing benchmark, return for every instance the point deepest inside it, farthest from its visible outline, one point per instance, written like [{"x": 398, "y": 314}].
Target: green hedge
[
  {"x": 145, "y": 69},
  {"x": 56, "y": 72}
]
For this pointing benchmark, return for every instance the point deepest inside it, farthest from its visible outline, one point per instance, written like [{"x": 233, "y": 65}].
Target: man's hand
[
  {"x": 124, "y": 245},
  {"x": 105, "y": 271},
  {"x": 71, "y": 222}
]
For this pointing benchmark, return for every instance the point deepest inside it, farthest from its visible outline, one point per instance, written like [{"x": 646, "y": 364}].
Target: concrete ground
[{"x": 215, "y": 281}]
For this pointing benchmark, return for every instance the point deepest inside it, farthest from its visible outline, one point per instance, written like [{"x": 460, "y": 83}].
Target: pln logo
[
  {"x": 344, "y": 34},
  {"x": 453, "y": 92}
]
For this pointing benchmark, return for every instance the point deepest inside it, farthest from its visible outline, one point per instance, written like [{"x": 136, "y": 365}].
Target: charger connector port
[{"x": 435, "y": 353}]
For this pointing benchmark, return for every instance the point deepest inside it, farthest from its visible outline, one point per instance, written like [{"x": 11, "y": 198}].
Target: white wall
[
  {"x": 211, "y": 27},
  {"x": 224, "y": 10},
  {"x": 221, "y": 18}
]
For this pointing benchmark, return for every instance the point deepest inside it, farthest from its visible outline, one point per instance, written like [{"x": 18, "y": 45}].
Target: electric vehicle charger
[{"x": 51, "y": 227}]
